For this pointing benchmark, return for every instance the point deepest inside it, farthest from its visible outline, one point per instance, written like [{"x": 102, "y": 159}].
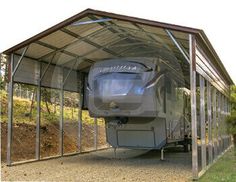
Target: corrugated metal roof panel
[
  {"x": 58, "y": 39},
  {"x": 84, "y": 29},
  {"x": 36, "y": 51},
  {"x": 80, "y": 48}
]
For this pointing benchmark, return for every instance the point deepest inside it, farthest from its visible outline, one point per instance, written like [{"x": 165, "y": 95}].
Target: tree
[
  {"x": 50, "y": 96},
  {"x": 233, "y": 98},
  {"x": 231, "y": 120},
  {"x": 3, "y": 71}
]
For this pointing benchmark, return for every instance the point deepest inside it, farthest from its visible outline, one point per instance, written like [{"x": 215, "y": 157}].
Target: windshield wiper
[{"x": 155, "y": 79}]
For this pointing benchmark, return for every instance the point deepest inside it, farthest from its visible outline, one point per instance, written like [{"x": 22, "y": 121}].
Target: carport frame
[
  {"x": 196, "y": 37},
  {"x": 12, "y": 72}
]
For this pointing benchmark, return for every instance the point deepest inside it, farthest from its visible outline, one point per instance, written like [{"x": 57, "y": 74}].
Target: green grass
[
  {"x": 22, "y": 107},
  {"x": 223, "y": 170}
]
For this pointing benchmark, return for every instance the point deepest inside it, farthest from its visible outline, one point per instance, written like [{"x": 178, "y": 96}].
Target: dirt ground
[
  {"x": 129, "y": 165},
  {"x": 23, "y": 143}
]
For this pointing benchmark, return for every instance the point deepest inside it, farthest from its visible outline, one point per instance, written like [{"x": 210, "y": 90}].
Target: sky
[{"x": 22, "y": 19}]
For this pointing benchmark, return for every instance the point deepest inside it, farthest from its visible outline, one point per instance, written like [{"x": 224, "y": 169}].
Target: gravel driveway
[{"x": 129, "y": 165}]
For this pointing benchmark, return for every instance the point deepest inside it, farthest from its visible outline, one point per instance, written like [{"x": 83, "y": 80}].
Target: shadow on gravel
[{"x": 124, "y": 157}]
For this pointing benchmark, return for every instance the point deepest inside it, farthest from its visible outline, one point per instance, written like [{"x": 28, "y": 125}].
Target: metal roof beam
[
  {"x": 46, "y": 62},
  {"x": 116, "y": 28},
  {"x": 88, "y": 41},
  {"x": 45, "y": 70},
  {"x": 56, "y": 49},
  {"x": 111, "y": 27},
  {"x": 19, "y": 61},
  {"x": 140, "y": 29},
  {"x": 68, "y": 74},
  {"x": 75, "y": 42},
  {"x": 97, "y": 49},
  {"x": 181, "y": 49},
  {"x": 148, "y": 33}
]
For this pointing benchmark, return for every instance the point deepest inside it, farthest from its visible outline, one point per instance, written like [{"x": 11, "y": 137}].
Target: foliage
[
  {"x": 21, "y": 109},
  {"x": 223, "y": 170},
  {"x": 231, "y": 120},
  {"x": 3, "y": 71},
  {"x": 233, "y": 98}
]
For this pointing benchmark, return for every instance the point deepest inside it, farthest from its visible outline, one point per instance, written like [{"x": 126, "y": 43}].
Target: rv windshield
[{"x": 118, "y": 86}]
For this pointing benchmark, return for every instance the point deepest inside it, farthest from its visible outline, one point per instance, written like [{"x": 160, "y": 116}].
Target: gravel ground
[{"x": 129, "y": 165}]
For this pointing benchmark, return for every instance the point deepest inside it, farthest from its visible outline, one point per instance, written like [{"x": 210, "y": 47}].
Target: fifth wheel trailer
[
  {"x": 61, "y": 56},
  {"x": 142, "y": 101}
]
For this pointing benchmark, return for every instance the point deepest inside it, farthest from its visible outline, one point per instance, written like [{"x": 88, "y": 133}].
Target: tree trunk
[
  {"x": 234, "y": 137},
  {"x": 48, "y": 110},
  {"x": 32, "y": 104},
  {"x": 54, "y": 108}
]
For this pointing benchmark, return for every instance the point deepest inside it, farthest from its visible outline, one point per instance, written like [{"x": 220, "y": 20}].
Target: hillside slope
[{"x": 24, "y": 130}]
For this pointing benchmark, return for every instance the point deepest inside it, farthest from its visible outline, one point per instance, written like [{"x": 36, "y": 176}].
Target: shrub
[{"x": 231, "y": 120}]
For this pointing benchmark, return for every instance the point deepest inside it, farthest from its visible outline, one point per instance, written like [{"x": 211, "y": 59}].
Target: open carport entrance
[{"x": 55, "y": 63}]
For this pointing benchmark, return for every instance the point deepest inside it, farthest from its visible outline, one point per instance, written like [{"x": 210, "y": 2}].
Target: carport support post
[
  {"x": 12, "y": 73},
  {"x": 10, "y": 111},
  {"x": 203, "y": 122},
  {"x": 38, "y": 114},
  {"x": 81, "y": 96},
  {"x": 61, "y": 112},
  {"x": 220, "y": 123},
  {"x": 226, "y": 114},
  {"x": 214, "y": 120},
  {"x": 192, "y": 53},
  {"x": 95, "y": 134},
  {"x": 209, "y": 118},
  {"x": 217, "y": 123},
  {"x": 224, "y": 127},
  {"x": 80, "y": 122}
]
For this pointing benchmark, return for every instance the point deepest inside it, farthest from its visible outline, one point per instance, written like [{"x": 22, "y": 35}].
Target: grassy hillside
[
  {"x": 24, "y": 129},
  {"x": 21, "y": 109}
]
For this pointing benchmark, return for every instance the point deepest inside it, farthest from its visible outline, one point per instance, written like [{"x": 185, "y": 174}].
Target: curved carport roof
[{"x": 96, "y": 35}]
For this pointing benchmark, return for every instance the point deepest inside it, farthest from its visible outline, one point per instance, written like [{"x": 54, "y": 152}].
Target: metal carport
[{"x": 60, "y": 57}]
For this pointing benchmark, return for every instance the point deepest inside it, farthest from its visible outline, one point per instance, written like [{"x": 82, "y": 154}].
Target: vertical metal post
[
  {"x": 218, "y": 123},
  {"x": 209, "y": 118},
  {"x": 203, "y": 122},
  {"x": 95, "y": 133},
  {"x": 226, "y": 110},
  {"x": 225, "y": 115},
  {"x": 192, "y": 52},
  {"x": 229, "y": 107},
  {"x": 226, "y": 105},
  {"x": 38, "y": 115},
  {"x": 162, "y": 154},
  {"x": 61, "y": 112},
  {"x": 230, "y": 110},
  {"x": 214, "y": 120},
  {"x": 10, "y": 111},
  {"x": 221, "y": 122},
  {"x": 81, "y": 83}
]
